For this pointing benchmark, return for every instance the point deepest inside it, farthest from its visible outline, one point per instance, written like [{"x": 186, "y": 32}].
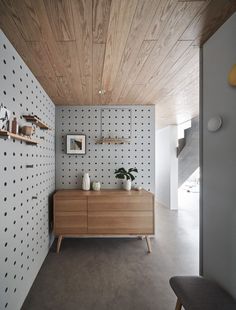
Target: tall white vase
[
  {"x": 127, "y": 185},
  {"x": 86, "y": 182}
]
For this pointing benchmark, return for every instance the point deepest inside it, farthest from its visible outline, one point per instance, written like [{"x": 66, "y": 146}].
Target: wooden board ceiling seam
[
  {"x": 121, "y": 17},
  {"x": 59, "y": 14},
  {"x": 172, "y": 31},
  {"x": 101, "y": 16},
  {"x": 145, "y": 11},
  {"x": 178, "y": 50},
  {"x": 83, "y": 33},
  {"x": 190, "y": 61}
]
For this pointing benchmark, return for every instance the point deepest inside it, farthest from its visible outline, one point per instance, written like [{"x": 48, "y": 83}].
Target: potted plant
[{"x": 127, "y": 176}]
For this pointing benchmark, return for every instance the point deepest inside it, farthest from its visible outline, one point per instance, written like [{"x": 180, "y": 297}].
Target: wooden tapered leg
[
  {"x": 59, "y": 243},
  {"x": 178, "y": 305},
  {"x": 148, "y": 244}
]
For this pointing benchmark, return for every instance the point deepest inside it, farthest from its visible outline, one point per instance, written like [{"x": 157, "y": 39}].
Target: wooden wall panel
[
  {"x": 211, "y": 16},
  {"x": 162, "y": 16},
  {"x": 42, "y": 66},
  {"x": 70, "y": 60},
  {"x": 82, "y": 15},
  {"x": 101, "y": 16},
  {"x": 133, "y": 50},
  {"x": 26, "y": 19},
  {"x": 60, "y": 18},
  {"x": 143, "y": 54},
  {"x": 98, "y": 60},
  {"x": 145, "y": 12},
  {"x": 121, "y": 16},
  {"x": 182, "y": 15},
  {"x": 177, "y": 58},
  {"x": 48, "y": 37}
]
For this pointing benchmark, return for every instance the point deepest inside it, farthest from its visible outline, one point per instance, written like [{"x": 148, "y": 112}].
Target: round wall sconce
[
  {"x": 214, "y": 123},
  {"x": 232, "y": 76}
]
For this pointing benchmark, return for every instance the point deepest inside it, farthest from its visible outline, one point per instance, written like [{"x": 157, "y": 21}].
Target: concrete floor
[{"x": 118, "y": 274}]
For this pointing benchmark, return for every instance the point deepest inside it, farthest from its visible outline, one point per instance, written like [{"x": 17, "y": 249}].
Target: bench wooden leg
[
  {"x": 148, "y": 244},
  {"x": 59, "y": 240},
  {"x": 178, "y": 305}
]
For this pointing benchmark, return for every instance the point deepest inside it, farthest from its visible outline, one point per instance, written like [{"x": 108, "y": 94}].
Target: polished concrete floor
[{"x": 118, "y": 274}]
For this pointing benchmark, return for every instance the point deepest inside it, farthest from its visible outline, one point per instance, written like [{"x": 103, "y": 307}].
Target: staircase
[{"x": 188, "y": 152}]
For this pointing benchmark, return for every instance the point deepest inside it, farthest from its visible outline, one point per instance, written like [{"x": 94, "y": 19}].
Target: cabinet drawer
[
  {"x": 70, "y": 223},
  {"x": 65, "y": 205},
  {"x": 119, "y": 203},
  {"x": 120, "y": 222}
]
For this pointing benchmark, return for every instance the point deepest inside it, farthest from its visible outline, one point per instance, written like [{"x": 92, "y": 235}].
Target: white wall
[
  {"x": 219, "y": 159},
  {"x": 167, "y": 167}
]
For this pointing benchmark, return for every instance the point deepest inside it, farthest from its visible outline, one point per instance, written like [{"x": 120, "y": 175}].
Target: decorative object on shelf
[
  {"x": 86, "y": 182},
  {"x": 36, "y": 120},
  {"x": 96, "y": 186},
  {"x": 127, "y": 176},
  {"x": 8, "y": 135},
  {"x": 76, "y": 144},
  {"x": 214, "y": 123},
  {"x": 14, "y": 126},
  {"x": 232, "y": 76},
  {"x": 27, "y": 130},
  {"x": 4, "y": 118},
  {"x": 112, "y": 141},
  {"x": 138, "y": 188}
]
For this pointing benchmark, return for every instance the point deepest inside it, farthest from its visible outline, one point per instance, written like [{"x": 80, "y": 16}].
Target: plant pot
[{"x": 127, "y": 185}]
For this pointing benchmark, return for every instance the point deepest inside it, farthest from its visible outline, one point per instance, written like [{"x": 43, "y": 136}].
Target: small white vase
[
  {"x": 127, "y": 185},
  {"x": 86, "y": 182},
  {"x": 96, "y": 186}
]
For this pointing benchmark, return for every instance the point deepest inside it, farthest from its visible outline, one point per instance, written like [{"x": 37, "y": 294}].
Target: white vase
[
  {"x": 86, "y": 182},
  {"x": 127, "y": 185},
  {"x": 96, "y": 186}
]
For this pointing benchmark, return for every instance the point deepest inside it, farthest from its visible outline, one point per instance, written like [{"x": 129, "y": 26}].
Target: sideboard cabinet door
[{"x": 70, "y": 216}]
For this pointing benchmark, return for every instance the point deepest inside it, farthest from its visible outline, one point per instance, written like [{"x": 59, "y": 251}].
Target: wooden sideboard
[{"x": 103, "y": 213}]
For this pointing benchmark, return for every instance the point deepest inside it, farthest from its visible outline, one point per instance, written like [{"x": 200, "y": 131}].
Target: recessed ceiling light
[{"x": 101, "y": 91}]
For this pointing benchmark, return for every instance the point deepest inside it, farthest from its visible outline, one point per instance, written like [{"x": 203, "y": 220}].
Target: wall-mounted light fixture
[
  {"x": 214, "y": 123},
  {"x": 232, "y": 76}
]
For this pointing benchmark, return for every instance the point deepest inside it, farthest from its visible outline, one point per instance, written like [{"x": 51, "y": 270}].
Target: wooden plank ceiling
[{"x": 135, "y": 51}]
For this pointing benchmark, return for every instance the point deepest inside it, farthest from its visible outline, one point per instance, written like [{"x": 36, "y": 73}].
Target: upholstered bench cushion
[{"x": 197, "y": 293}]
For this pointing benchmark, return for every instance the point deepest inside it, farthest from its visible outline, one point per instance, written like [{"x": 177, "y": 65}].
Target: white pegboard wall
[
  {"x": 116, "y": 122},
  {"x": 134, "y": 122},
  {"x": 24, "y": 206}
]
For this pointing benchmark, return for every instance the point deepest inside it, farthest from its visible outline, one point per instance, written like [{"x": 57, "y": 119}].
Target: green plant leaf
[
  {"x": 120, "y": 170},
  {"x": 120, "y": 176},
  {"x": 131, "y": 176},
  {"x": 133, "y": 170}
]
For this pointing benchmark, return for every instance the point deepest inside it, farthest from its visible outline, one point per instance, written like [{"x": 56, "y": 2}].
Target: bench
[{"x": 198, "y": 293}]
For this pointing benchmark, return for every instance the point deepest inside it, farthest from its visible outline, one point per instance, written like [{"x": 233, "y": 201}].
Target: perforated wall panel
[
  {"x": 24, "y": 192},
  {"x": 134, "y": 122}
]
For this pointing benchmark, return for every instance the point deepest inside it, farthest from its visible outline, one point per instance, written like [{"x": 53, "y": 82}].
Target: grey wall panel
[
  {"x": 24, "y": 223},
  {"x": 136, "y": 122},
  {"x": 219, "y": 159}
]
